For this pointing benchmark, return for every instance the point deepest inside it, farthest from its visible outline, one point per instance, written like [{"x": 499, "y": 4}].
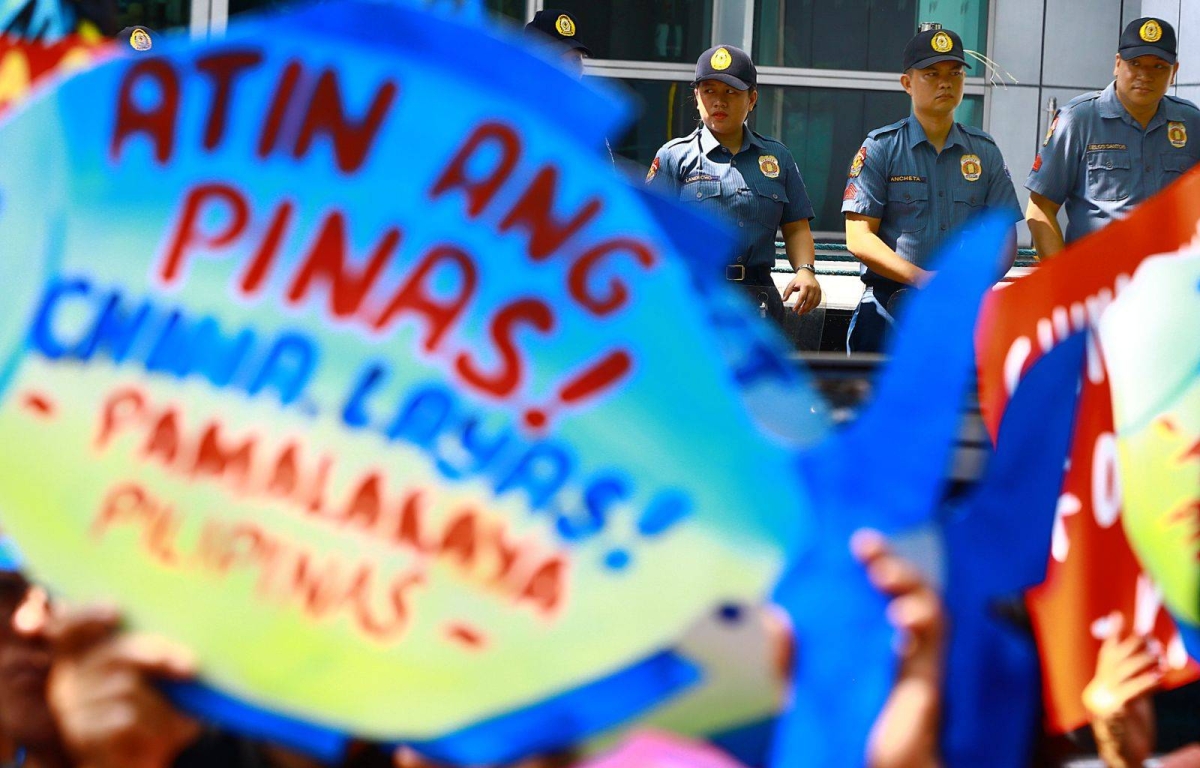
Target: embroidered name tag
[
  {"x": 1103, "y": 147},
  {"x": 695, "y": 177},
  {"x": 907, "y": 178}
]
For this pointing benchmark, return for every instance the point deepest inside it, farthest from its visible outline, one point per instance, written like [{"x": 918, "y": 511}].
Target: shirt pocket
[
  {"x": 908, "y": 205},
  {"x": 699, "y": 191},
  {"x": 1108, "y": 175},
  {"x": 967, "y": 202},
  {"x": 770, "y": 198},
  {"x": 1173, "y": 164}
]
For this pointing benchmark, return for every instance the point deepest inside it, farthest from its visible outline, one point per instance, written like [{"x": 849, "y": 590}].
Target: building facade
[{"x": 828, "y": 69}]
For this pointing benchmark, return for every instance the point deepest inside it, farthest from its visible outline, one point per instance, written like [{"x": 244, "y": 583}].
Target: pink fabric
[{"x": 660, "y": 750}]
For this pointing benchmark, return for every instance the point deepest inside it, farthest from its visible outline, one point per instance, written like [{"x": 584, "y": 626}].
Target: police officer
[
  {"x": 137, "y": 37},
  {"x": 1107, "y": 151},
  {"x": 560, "y": 27},
  {"x": 915, "y": 181},
  {"x": 752, "y": 181}
]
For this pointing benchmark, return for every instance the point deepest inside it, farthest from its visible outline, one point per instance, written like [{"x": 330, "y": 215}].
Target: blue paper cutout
[
  {"x": 567, "y": 718},
  {"x": 998, "y": 545},
  {"x": 885, "y": 472}
]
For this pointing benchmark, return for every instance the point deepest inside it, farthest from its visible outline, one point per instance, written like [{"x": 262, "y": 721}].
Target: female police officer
[{"x": 751, "y": 180}]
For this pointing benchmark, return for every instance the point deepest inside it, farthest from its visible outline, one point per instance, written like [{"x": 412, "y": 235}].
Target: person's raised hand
[
  {"x": 101, "y": 689},
  {"x": 1128, "y": 668},
  {"x": 905, "y": 734}
]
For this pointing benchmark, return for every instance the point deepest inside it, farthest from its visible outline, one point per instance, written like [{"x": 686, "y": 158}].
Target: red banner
[
  {"x": 25, "y": 65},
  {"x": 1092, "y": 570}
]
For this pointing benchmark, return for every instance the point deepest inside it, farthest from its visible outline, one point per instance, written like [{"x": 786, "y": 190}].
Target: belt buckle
[{"x": 735, "y": 272}]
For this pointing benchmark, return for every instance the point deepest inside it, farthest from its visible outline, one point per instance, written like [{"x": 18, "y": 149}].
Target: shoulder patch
[
  {"x": 856, "y": 165},
  {"x": 1050, "y": 130},
  {"x": 650, "y": 174}
]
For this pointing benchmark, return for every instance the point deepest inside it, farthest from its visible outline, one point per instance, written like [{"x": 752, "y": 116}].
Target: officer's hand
[
  {"x": 807, "y": 290},
  {"x": 101, "y": 690}
]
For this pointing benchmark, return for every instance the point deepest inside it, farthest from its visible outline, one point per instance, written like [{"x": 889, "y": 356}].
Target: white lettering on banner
[
  {"x": 1014, "y": 362},
  {"x": 1054, "y": 329},
  {"x": 1146, "y": 605},
  {"x": 1106, "y": 481},
  {"x": 1060, "y": 542},
  {"x": 1146, "y": 608}
]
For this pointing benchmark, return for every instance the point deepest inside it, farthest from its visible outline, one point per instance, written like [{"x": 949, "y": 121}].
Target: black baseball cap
[
  {"x": 139, "y": 38},
  {"x": 1148, "y": 36},
  {"x": 559, "y": 26},
  {"x": 728, "y": 64},
  {"x": 931, "y": 47}
]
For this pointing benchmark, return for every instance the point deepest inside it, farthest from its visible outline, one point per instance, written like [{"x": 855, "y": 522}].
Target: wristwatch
[{"x": 809, "y": 267}]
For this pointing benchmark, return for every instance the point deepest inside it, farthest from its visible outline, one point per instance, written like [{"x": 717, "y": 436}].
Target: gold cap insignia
[
  {"x": 1151, "y": 31},
  {"x": 565, "y": 26},
  {"x": 720, "y": 59},
  {"x": 140, "y": 41},
  {"x": 941, "y": 43}
]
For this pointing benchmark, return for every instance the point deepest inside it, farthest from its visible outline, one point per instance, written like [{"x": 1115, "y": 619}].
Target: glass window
[
  {"x": 665, "y": 110},
  {"x": 824, "y": 127},
  {"x": 643, "y": 30},
  {"x": 857, "y": 34},
  {"x": 512, "y": 9},
  {"x": 158, "y": 15}
]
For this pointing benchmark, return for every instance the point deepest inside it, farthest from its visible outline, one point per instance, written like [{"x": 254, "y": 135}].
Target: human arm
[
  {"x": 905, "y": 734},
  {"x": 1117, "y": 700},
  {"x": 662, "y": 175},
  {"x": 862, "y": 240},
  {"x": 1051, "y": 180},
  {"x": 1042, "y": 216},
  {"x": 801, "y": 252},
  {"x": 109, "y": 713}
]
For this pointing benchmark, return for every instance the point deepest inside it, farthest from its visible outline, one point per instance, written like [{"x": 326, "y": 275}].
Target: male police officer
[
  {"x": 915, "y": 181},
  {"x": 560, "y": 27},
  {"x": 1108, "y": 151}
]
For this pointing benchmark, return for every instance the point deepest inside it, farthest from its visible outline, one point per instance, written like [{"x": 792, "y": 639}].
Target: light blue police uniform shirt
[
  {"x": 1100, "y": 163},
  {"x": 756, "y": 190},
  {"x": 920, "y": 195}
]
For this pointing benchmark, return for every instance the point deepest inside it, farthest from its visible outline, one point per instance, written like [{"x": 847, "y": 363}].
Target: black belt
[{"x": 740, "y": 273}]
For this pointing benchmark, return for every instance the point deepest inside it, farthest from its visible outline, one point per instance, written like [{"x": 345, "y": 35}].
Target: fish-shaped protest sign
[
  {"x": 407, "y": 387},
  {"x": 339, "y": 353},
  {"x": 1156, "y": 413}
]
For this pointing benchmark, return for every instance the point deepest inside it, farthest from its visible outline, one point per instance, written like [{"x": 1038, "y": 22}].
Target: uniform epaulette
[
  {"x": 886, "y": 129},
  {"x": 1182, "y": 102},
  {"x": 680, "y": 140},
  {"x": 977, "y": 132},
  {"x": 1083, "y": 99}
]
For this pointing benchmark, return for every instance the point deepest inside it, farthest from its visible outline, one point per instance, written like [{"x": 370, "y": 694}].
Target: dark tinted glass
[
  {"x": 512, "y": 9},
  {"x": 824, "y": 127},
  {"x": 643, "y": 30},
  {"x": 155, "y": 14},
  {"x": 666, "y": 110},
  {"x": 856, "y": 34}
]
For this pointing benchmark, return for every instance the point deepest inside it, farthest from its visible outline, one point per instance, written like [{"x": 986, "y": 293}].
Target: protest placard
[
  {"x": 1092, "y": 570},
  {"x": 400, "y": 387}
]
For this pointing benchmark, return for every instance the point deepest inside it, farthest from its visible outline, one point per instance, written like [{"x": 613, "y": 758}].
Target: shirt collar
[
  {"x": 916, "y": 134},
  {"x": 708, "y": 142},
  {"x": 1110, "y": 106}
]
